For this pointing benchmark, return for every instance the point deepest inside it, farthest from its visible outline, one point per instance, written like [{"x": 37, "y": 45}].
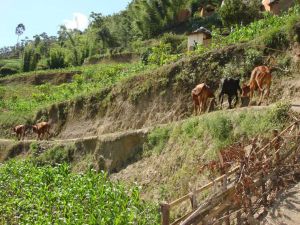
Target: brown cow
[
  {"x": 41, "y": 129},
  {"x": 260, "y": 77},
  {"x": 200, "y": 95},
  {"x": 20, "y": 131}
]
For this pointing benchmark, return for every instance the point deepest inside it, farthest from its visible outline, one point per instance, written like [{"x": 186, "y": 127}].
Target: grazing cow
[
  {"x": 200, "y": 94},
  {"x": 20, "y": 131},
  {"x": 230, "y": 87},
  {"x": 41, "y": 129},
  {"x": 260, "y": 77}
]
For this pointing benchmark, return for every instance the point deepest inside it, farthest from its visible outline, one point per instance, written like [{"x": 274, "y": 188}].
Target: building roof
[{"x": 202, "y": 30}]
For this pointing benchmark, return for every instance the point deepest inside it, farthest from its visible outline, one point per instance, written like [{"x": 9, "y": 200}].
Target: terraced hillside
[{"x": 136, "y": 122}]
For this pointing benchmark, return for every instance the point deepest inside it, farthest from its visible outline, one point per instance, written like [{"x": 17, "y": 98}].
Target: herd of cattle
[
  {"x": 260, "y": 77},
  {"x": 41, "y": 129}
]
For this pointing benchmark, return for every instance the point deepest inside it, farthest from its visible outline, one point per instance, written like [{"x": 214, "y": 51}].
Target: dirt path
[{"x": 286, "y": 210}]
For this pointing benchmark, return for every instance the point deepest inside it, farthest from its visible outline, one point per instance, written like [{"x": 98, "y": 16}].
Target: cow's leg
[
  {"x": 221, "y": 98},
  {"x": 48, "y": 134},
  {"x": 195, "y": 108},
  {"x": 199, "y": 105},
  {"x": 268, "y": 91},
  {"x": 261, "y": 94},
  {"x": 236, "y": 99},
  {"x": 229, "y": 101}
]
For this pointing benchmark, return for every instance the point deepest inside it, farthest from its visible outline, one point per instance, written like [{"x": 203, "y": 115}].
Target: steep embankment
[
  {"x": 107, "y": 152},
  {"x": 39, "y": 78},
  {"x": 159, "y": 96}
]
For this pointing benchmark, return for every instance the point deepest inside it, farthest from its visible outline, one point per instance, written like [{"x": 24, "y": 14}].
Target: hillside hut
[
  {"x": 201, "y": 36},
  {"x": 277, "y": 6}
]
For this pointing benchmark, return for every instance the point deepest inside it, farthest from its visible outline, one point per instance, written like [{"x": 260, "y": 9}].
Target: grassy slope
[
  {"x": 16, "y": 108},
  {"x": 20, "y": 102},
  {"x": 174, "y": 153}
]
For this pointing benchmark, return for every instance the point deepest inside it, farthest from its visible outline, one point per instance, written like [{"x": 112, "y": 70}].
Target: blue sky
[{"x": 40, "y": 16}]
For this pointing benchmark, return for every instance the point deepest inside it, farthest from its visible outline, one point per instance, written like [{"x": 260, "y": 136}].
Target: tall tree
[{"x": 20, "y": 30}]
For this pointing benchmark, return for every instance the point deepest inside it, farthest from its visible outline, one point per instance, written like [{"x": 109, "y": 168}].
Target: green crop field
[{"x": 53, "y": 195}]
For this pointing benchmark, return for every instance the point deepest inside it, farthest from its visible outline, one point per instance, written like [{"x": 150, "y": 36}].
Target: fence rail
[{"x": 211, "y": 208}]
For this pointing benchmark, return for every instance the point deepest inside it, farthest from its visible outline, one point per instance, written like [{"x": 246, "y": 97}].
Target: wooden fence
[{"x": 218, "y": 209}]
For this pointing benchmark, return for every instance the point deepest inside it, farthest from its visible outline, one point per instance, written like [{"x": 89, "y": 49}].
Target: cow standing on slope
[
  {"x": 231, "y": 87},
  {"x": 260, "y": 77},
  {"x": 42, "y": 129},
  {"x": 20, "y": 131},
  {"x": 200, "y": 94}
]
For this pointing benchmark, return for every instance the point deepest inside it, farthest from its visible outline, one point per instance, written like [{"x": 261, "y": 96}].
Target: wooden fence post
[
  {"x": 193, "y": 200},
  {"x": 224, "y": 188},
  {"x": 165, "y": 213},
  {"x": 239, "y": 218},
  {"x": 263, "y": 190}
]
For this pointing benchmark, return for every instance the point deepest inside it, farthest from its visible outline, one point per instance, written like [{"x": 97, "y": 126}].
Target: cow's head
[
  {"x": 34, "y": 128},
  {"x": 245, "y": 90}
]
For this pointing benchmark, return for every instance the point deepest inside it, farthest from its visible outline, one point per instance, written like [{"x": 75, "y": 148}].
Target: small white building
[{"x": 201, "y": 36}]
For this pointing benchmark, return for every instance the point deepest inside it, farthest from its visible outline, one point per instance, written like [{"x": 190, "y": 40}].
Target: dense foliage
[
  {"x": 123, "y": 32},
  {"x": 239, "y": 12},
  {"x": 53, "y": 195}
]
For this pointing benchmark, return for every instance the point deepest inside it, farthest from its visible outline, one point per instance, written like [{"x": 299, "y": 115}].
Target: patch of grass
[
  {"x": 182, "y": 148},
  {"x": 157, "y": 140},
  {"x": 53, "y": 156}
]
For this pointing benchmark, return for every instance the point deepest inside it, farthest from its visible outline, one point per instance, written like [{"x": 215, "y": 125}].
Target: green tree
[
  {"x": 19, "y": 30},
  {"x": 239, "y": 12}
]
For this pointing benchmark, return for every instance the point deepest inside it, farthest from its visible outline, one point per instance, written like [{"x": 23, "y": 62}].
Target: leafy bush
[
  {"x": 238, "y": 11},
  {"x": 26, "y": 64},
  {"x": 174, "y": 41},
  {"x": 55, "y": 155},
  {"x": 157, "y": 140},
  {"x": 161, "y": 54},
  {"x": 276, "y": 39},
  {"x": 53, "y": 195},
  {"x": 30, "y": 59},
  {"x": 56, "y": 59}
]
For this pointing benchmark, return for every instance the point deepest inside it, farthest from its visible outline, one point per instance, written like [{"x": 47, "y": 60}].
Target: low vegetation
[
  {"x": 53, "y": 195},
  {"x": 178, "y": 150},
  {"x": 18, "y": 102}
]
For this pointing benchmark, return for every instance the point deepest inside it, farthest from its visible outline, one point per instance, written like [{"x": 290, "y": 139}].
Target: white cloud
[{"x": 79, "y": 21}]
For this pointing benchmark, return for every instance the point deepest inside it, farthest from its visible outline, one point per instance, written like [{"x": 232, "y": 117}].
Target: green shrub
[
  {"x": 276, "y": 39},
  {"x": 56, "y": 59},
  {"x": 57, "y": 155},
  {"x": 174, "y": 41},
  {"x": 26, "y": 64},
  {"x": 157, "y": 140},
  {"x": 161, "y": 54},
  {"x": 238, "y": 11},
  {"x": 293, "y": 28}
]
